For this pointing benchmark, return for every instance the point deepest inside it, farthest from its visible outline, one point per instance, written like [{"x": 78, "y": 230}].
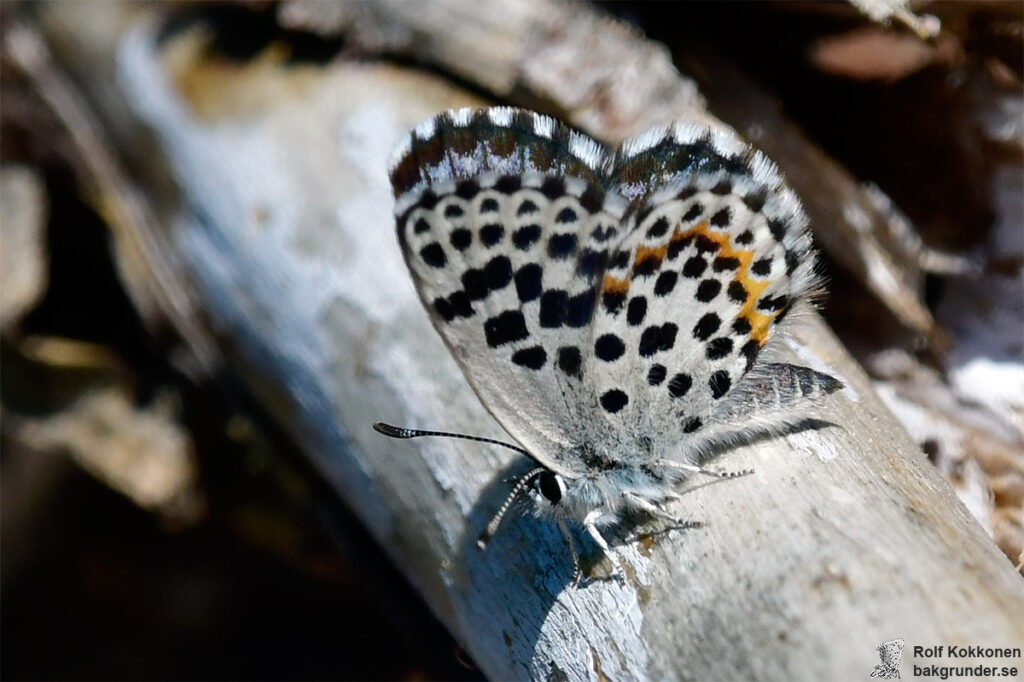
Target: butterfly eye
[{"x": 552, "y": 487}]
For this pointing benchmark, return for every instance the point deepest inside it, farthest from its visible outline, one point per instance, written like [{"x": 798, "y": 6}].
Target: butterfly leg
[
  {"x": 590, "y": 523},
  {"x": 694, "y": 469},
  {"x": 576, "y": 572},
  {"x": 707, "y": 472},
  {"x": 647, "y": 507}
]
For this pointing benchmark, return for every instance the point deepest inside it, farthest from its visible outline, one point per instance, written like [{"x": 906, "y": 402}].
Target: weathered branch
[{"x": 843, "y": 538}]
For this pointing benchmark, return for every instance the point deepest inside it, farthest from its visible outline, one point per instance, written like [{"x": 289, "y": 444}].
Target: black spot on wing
[
  {"x": 491, "y": 234},
  {"x": 657, "y": 338},
  {"x": 705, "y": 244},
  {"x": 620, "y": 259},
  {"x": 772, "y": 303},
  {"x": 526, "y": 236},
  {"x": 707, "y": 325},
  {"x": 676, "y": 246},
  {"x": 723, "y": 263},
  {"x": 707, "y": 290},
  {"x": 755, "y": 200},
  {"x": 580, "y": 308},
  {"x": 723, "y": 188},
  {"x": 474, "y": 284},
  {"x": 527, "y": 207},
  {"x": 460, "y": 304},
  {"x": 792, "y": 261},
  {"x": 694, "y": 267},
  {"x": 461, "y": 238},
  {"x": 553, "y": 187},
  {"x": 570, "y": 361},
  {"x": 561, "y": 246},
  {"x": 750, "y": 351},
  {"x": 467, "y": 189},
  {"x": 686, "y": 192},
  {"x": 433, "y": 255},
  {"x": 612, "y": 301},
  {"x": 603, "y": 233},
  {"x": 566, "y": 215},
  {"x": 505, "y": 328},
  {"x": 781, "y": 315},
  {"x": 719, "y": 383},
  {"x": 590, "y": 263},
  {"x": 614, "y": 400},
  {"x": 609, "y": 347},
  {"x": 552, "y": 308},
  {"x": 737, "y": 292},
  {"x": 592, "y": 199},
  {"x": 666, "y": 282},
  {"x": 443, "y": 308},
  {"x": 508, "y": 184},
  {"x": 533, "y": 357},
  {"x": 498, "y": 273},
  {"x": 428, "y": 199},
  {"x": 722, "y": 217},
  {"x": 693, "y": 213},
  {"x": 718, "y": 348},
  {"x": 679, "y": 385},
  {"x": 636, "y": 311},
  {"x": 646, "y": 267},
  {"x": 658, "y": 229},
  {"x": 528, "y": 282}
]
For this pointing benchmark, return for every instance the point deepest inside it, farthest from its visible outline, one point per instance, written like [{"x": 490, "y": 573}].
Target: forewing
[
  {"x": 716, "y": 250},
  {"x": 891, "y": 652},
  {"x": 505, "y": 229}
]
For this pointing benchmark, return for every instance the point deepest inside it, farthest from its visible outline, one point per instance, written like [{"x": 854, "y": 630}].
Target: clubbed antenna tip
[{"x": 393, "y": 431}]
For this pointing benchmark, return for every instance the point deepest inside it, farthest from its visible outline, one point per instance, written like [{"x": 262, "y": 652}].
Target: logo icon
[{"x": 890, "y": 653}]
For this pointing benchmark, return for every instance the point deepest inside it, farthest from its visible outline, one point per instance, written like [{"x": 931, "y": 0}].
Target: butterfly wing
[
  {"x": 716, "y": 249},
  {"x": 598, "y": 305},
  {"x": 505, "y": 228},
  {"x": 891, "y": 652}
]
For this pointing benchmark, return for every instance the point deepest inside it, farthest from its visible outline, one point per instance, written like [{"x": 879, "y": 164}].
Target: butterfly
[
  {"x": 890, "y": 652},
  {"x": 607, "y": 306}
]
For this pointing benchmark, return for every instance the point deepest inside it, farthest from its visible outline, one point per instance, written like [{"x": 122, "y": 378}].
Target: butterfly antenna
[
  {"x": 577, "y": 572},
  {"x": 402, "y": 432},
  {"x": 521, "y": 485}
]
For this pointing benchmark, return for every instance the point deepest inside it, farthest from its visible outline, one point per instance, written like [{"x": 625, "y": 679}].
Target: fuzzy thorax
[{"x": 611, "y": 492}]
